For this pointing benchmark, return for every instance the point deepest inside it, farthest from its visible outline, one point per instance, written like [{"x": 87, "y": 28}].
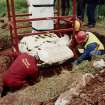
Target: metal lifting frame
[{"x": 13, "y": 27}]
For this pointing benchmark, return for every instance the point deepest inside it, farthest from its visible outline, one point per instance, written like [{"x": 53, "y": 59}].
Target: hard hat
[
  {"x": 77, "y": 25},
  {"x": 80, "y": 37}
]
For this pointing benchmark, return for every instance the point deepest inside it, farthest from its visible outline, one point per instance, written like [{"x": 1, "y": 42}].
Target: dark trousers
[
  {"x": 81, "y": 5},
  {"x": 65, "y": 6},
  {"x": 91, "y": 12},
  {"x": 5, "y": 91}
]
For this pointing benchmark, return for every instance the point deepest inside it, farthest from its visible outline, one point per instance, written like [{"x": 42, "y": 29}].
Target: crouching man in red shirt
[{"x": 23, "y": 71}]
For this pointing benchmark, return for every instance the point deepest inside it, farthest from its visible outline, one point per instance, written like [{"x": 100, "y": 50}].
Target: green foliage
[
  {"x": 2, "y": 8},
  {"x": 20, "y": 6},
  {"x": 101, "y": 10},
  {"x": 101, "y": 15}
]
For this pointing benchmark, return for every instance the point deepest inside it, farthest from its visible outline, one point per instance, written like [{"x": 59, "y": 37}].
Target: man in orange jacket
[{"x": 23, "y": 71}]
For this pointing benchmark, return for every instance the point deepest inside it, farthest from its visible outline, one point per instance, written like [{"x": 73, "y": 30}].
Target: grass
[
  {"x": 101, "y": 10},
  {"x": 20, "y": 6},
  {"x": 2, "y": 8},
  {"x": 87, "y": 66}
]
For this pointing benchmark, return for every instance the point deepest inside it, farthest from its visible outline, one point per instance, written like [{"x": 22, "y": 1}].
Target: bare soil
[{"x": 93, "y": 93}]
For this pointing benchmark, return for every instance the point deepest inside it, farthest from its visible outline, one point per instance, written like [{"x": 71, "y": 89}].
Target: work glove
[
  {"x": 75, "y": 65},
  {"x": 75, "y": 62}
]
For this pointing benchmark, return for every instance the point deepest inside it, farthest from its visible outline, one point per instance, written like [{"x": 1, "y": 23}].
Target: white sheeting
[
  {"x": 41, "y": 12},
  {"x": 54, "y": 53},
  {"x": 49, "y": 48}
]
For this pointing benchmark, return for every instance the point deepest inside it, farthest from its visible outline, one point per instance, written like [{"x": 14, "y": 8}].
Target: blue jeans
[{"x": 100, "y": 52}]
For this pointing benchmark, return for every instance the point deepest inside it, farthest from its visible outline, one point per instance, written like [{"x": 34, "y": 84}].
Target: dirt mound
[{"x": 93, "y": 93}]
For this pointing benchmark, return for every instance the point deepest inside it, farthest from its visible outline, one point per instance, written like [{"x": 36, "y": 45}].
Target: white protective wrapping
[
  {"x": 99, "y": 64},
  {"x": 42, "y": 12},
  {"x": 47, "y": 48},
  {"x": 54, "y": 53}
]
